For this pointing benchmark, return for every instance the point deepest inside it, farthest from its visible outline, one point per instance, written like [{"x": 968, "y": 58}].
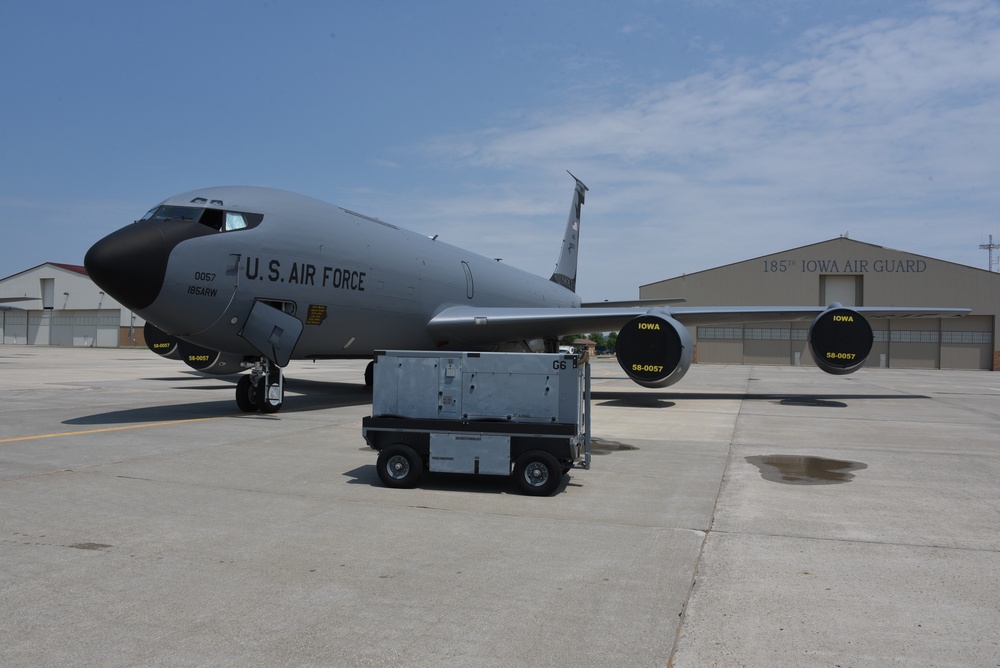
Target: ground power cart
[{"x": 525, "y": 414}]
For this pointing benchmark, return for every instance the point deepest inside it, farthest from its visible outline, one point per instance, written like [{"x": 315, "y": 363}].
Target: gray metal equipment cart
[{"x": 480, "y": 413}]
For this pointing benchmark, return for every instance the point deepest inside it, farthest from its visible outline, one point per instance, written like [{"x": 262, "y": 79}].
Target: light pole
[
  {"x": 989, "y": 247},
  {"x": 98, "y": 328}
]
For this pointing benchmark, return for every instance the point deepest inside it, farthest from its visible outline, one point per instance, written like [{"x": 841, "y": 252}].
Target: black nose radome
[{"x": 130, "y": 264}]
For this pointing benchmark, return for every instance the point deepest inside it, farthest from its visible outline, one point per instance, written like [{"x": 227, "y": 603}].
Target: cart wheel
[
  {"x": 399, "y": 466},
  {"x": 537, "y": 473}
]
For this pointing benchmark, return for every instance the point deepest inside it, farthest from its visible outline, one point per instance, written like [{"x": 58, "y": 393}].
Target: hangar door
[
  {"x": 967, "y": 343},
  {"x": 15, "y": 327},
  {"x": 846, "y": 290},
  {"x": 62, "y": 328},
  {"x": 85, "y": 328},
  {"x": 907, "y": 343}
]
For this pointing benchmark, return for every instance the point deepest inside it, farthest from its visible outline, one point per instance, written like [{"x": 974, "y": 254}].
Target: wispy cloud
[{"x": 889, "y": 128}]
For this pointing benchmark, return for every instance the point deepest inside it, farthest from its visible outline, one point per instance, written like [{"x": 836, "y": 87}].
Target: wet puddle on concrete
[{"x": 803, "y": 470}]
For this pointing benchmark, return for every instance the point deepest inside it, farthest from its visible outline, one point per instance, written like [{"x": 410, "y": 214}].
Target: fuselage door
[{"x": 272, "y": 332}]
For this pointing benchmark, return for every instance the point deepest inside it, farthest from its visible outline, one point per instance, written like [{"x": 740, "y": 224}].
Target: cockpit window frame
[
  {"x": 219, "y": 219},
  {"x": 174, "y": 212}
]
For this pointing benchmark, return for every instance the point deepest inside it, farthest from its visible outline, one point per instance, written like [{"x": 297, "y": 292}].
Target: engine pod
[
  {"x": 210, "y": 361},
  {"x": 160, "y": 342},
  {"x": 840, "y": 340},
  {"x": 654, "y": 351}
]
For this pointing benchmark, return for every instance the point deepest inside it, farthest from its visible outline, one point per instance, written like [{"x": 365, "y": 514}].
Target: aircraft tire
[
  {"x": 370, "y": 376},
  {"x": 399, "y": 466},
  {"x": 537, "y": 473},
  {"x": 246, "y": 395}
]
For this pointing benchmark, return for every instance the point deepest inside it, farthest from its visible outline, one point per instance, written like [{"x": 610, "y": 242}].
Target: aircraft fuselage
[
  {"x": 358, "y": 284},
  {"x": 255, "y": 277}
]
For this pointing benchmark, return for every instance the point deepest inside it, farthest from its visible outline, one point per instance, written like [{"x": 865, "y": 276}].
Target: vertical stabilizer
[{"x": 565, "y": 273}]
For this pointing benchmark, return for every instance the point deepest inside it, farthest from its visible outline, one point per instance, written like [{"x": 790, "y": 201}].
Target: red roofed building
[{"x": 57, "y": 304}]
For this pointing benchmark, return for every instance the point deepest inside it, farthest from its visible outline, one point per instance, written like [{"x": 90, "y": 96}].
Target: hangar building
[
  {"x": 855, "y": 274},
  {"x": 57, "y": 304}
]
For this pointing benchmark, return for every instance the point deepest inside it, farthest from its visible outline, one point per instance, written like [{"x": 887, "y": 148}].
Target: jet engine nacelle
[
  {"x": 840, "y": 340},
  {"x": 210, "y": 361},
  {"x": 160, "y": 342},
  {"x": 654, "y": 350}
]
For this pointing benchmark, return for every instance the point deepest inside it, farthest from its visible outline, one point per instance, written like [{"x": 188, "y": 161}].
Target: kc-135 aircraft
[{"x": 235, "y": 278}]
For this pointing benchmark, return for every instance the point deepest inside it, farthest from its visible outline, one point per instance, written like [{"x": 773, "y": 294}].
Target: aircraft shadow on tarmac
[
  {"x": 312, "y": 395},
  {"x": 669, "y": 399},
  {"x": 301, "y": 395}
]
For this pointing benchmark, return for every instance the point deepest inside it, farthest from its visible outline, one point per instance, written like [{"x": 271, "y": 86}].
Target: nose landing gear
[{"x": 263, "y": 389}]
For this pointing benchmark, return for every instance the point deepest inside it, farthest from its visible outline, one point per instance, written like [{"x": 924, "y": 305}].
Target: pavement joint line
[
  {"x": 711, "y": 525},
  {"x": 857, "y": 541}
]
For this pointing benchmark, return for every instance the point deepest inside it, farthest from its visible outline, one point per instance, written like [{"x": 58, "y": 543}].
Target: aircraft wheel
[
  {"x": 370, "y": 375},
  {"x": 267, "y": 404},
  {"x": 246, "y": 395},
  {"x": 537, "y": 473},
  {"x": 399, "y": 466}
]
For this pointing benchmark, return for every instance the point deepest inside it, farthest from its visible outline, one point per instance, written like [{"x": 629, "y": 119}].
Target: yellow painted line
[{"x": 106, "y": 429}]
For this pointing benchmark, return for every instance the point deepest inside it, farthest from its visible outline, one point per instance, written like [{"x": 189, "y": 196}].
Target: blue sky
[{"x": 708, "y": 131}]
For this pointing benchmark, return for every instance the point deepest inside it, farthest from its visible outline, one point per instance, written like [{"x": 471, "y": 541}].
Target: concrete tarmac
[{"x": 749, "y": 516}]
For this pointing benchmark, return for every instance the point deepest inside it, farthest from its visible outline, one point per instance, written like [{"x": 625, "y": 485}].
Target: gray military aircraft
[{"x": 235, "y": 278}]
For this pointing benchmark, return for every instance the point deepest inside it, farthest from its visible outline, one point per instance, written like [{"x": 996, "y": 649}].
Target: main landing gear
[{"x": 263, "y": 389}]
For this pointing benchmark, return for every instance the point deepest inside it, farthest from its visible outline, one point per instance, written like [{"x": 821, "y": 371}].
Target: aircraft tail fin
[{"x": 565, "y": 272}]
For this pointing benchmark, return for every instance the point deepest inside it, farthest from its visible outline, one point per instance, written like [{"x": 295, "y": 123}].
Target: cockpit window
[
  {"x": 235, "y": 221},
  {"x": 228, "y": 221},
  {"x": 173, "y": 213},
  {"x": 217, "y": 219}
]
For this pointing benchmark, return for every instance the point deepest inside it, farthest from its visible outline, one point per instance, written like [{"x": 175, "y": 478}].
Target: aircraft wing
[
  {"x": 711, "y": 315},
  {"x": 475, "y": 324},
  {"x": 635, "y": 302}
]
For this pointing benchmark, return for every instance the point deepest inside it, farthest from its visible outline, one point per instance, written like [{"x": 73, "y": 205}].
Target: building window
[
  {"x": 767, "y": 334},
  {"x": 752, "y": 334},
  {"x": 967, "y": 337},
  {"x": 881, "y": 335},
  {"x": 721, "y": 333},
  {"x": 912, "y": 336}
]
